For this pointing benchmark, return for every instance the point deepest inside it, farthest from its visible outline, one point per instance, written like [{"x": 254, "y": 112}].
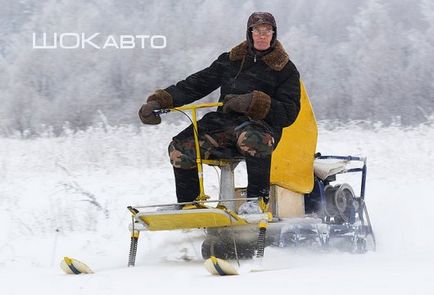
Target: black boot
[
  {"x": 187, "y": 184},
  {"x": 258, "y": 175}
]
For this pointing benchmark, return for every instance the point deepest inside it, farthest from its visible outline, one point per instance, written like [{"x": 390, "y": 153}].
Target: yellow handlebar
[
  {"x": 193, "y": 107},
  {"x": 198, "y": 106}
]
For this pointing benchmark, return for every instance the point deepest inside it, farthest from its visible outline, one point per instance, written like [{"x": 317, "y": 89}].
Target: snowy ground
[{"x": 68, "y": 195}]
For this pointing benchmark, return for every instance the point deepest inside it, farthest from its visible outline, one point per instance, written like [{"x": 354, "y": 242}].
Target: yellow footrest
[{"x": 190, "y": 218}]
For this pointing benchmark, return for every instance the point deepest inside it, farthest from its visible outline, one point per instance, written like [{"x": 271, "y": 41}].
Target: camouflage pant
[
  {"x": 250, "y": 140},
  {"x": 223, "y": 137}
]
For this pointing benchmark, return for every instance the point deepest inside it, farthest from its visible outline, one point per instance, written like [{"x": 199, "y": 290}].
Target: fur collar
[{"x": 276, "y": 59}]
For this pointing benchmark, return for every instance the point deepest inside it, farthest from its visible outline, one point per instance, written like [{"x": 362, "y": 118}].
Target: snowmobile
[{"x": 307, "y": 207}]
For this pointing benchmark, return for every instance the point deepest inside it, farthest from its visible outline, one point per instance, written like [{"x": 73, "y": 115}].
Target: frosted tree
[
  {"x": 375, "y": 53},
  {"x": 308, "y": 53},
  {"x": 375, "y": 64},
  {"x": 419, "y": 80}
]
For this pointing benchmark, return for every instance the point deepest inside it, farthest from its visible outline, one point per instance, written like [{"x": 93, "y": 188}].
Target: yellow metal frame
[
  {"x": 287, "y": 170},
  {"x": 202, "y": 196}
]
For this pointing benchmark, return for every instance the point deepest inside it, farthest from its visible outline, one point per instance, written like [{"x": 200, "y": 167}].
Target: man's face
[{"x": 262, "y": 35}]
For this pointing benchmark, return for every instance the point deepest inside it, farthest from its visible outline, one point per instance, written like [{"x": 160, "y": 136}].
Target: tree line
[{"x": 360, "y": 60}]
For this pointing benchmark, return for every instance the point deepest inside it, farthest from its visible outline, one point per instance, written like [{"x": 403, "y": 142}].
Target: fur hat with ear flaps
[{"x": 261, "y": 18}]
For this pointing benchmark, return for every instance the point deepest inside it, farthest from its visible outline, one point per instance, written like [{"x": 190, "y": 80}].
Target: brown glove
[
  {"x": 255, "y": 104},
  {"x": 160, "y": 99},
  {"x": 146, "y": 113}
]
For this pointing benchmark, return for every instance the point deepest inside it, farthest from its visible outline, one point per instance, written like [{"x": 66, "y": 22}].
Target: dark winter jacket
[{"x": 241, "y": 71}]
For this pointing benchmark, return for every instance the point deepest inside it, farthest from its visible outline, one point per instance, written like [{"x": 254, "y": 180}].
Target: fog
[{"x": 360, "y": 60}]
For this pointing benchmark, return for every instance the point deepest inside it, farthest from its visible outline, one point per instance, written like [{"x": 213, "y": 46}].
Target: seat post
[{"x": 227, "y": 184}]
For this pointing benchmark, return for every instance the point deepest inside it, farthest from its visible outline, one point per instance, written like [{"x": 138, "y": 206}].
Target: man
[{"x": 260, "y": 89}]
